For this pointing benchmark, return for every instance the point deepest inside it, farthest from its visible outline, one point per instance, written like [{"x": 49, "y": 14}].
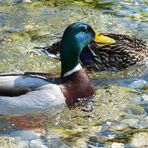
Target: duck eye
[{"x": 84, "y": 30}]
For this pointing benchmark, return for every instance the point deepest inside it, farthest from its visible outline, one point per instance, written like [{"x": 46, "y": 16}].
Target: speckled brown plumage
[{"x": 125, "y": 52}]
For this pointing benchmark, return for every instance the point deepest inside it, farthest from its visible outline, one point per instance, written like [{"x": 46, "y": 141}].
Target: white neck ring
[{"x": 77, "y": 68}]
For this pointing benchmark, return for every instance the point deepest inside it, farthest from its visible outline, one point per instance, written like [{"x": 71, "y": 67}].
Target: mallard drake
[
  {"x": 24, "y": 94},
  {"x": 126, "y": 51}
]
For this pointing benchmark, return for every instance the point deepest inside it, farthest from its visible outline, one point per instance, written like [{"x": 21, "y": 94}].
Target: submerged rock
[
  {"x": 139, "y": 140},
  {"x": 130, "y": 122},
  {"x": 117, "y": 145}
]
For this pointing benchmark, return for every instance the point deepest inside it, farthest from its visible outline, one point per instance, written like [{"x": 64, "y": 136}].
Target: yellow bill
[{"x": 103, "y": 39}]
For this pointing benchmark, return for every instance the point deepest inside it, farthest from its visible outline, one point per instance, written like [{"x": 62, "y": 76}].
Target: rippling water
[{"x": 119, "y": 114}]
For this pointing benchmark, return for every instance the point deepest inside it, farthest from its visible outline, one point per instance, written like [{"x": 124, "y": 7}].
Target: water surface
[{"x": 119, "y": 114}]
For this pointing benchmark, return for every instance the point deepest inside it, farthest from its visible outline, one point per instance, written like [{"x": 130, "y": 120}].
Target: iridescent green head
[{"x": 75, "y": 38}]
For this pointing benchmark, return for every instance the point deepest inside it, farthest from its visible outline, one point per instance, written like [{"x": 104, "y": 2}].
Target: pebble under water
[{"x": 117, "y": 117}]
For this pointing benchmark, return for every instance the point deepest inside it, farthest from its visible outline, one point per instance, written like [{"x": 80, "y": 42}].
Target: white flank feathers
[{"x": 44, "y": 95}]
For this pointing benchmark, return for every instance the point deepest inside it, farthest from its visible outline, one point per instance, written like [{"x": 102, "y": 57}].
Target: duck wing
[
  {"x": 24, "y": 94},
  {"x": 18, "y": 84},
  {"x": 131, "y": 42},
  {"x": 125, "y": 52},
  {"x": 51, "y": 50}
]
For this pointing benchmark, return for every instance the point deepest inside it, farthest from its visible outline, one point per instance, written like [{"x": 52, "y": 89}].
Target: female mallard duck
[
  {"x": 126, "y": 51},
  {"x": 23, "y": 94}
]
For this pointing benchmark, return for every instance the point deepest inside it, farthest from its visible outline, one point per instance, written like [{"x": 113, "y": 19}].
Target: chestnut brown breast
[{"x": 75, "y": 86}]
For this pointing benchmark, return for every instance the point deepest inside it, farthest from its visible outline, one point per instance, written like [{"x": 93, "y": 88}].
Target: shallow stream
[{"x": 119, "y": 114}]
